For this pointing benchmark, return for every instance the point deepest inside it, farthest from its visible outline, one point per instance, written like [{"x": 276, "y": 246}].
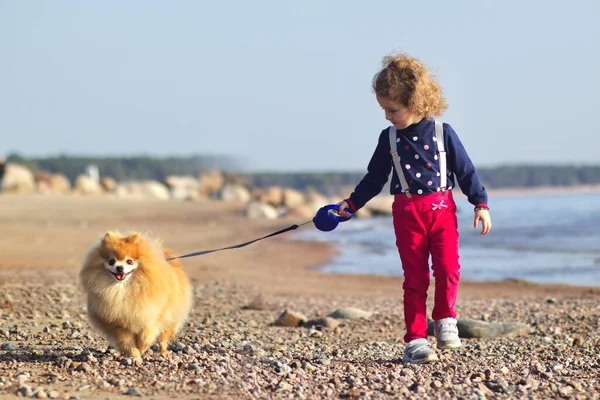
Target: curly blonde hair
[{"x": 406, "y": 80}]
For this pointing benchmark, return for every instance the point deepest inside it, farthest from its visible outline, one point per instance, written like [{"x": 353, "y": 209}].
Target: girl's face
[{"x": 397, "y": 114}]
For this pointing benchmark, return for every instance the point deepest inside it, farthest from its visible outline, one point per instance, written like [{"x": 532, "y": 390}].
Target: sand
[{"x": 228, "y": 352}]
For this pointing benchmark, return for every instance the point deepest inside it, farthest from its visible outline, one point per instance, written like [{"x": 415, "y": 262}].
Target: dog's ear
[
  {"x": 110, "y": 237},
  {"x": 133, "y": 238}
]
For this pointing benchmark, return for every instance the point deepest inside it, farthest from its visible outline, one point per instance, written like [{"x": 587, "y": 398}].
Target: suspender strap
[
  {"x": 439, "y": 138},
  {"x": 396, "y": 160}
]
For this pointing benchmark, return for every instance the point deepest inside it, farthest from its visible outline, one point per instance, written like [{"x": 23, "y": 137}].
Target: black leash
[{"x": 237, "y": 246}]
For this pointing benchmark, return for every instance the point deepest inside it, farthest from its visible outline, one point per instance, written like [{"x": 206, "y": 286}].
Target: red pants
[{"x": 427, "y": 224}]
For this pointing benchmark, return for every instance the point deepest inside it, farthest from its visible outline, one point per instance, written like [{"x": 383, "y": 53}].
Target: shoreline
[
  {"x": 336, "y": 251},
  {"x": 32, "y": 240},
  {"x": 544, "y": 190}
]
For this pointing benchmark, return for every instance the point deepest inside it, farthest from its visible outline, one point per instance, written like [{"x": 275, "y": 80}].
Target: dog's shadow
[
  {"x": 44, "y": 355},
  {"x": 65, "y": 357}
]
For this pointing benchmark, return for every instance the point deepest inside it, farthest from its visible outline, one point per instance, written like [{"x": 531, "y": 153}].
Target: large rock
[
  {"x": 380, "y": 205},
  {"x": 304, "y": 212},
  {"x": 59, "y": 183},
  {"x": 272, "y": 195},
  {"x": 109, "y": 184},
  {"x": 183, "y": 187},
  {"x": 143, "y": 190},
  {"x": 470, "y": 328},
  {"x": 314, "y": 197},
  {"x": 48, "y": 183},
  {"x": 18, "y": 179},
  {"x": 292, "y": 198},
  {"x": 237, "y": 193},
  {"x": 256, "y": 210},
  {"x": 350, "y": 313},
  {"x": 155, "y": 190},
  {"x": 87, "y": 186},
  {"x": 211, "y": 183},
  {"x": 291, "y": 319}
]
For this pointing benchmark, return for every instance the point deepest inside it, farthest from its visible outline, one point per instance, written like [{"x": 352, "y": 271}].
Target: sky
[{"x": 286, "y": 85}]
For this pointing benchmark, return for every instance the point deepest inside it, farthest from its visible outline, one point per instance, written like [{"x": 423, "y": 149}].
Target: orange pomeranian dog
[{"x": 135, "y": 296}]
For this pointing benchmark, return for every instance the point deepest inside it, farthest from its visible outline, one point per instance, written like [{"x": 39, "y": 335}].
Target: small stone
[
  {"x": 546, "y": 375},
  {"x": 577, "y": 386},
  {"x": 356, "y": 392},
  {"x": 309, "y": 367},
  {"x": 177, "y": 347},
  {"x": 209, "y": 348},
  {"x": 469, "y": 328},
  {"x": 577, "y": 341},
  {"x": 565, "y": 391},
  {"x": 350, "y": 313},
  {"x": 127, "y": 361},
  {"x": 551, "y": 300},
  {"x": 258, "y": 303},
  {"x": 290, "y": 319},
  {"x": 450, "y": 368},
  {"x": 133, "y": 392},
  {"x": 539, "y": 367},
  {"x": 284, "y": 387},
  {"x": 531, "y": 383},
  {"x": 485, "y": 390},
  {"x": 504, "y": 370},
  {"x": 85, "y": 367},
  {"x": 194, "y": 367},
  {"x": 8, "y": 346},
  {"x": 327, "y": 322},
  {"x": 283, "y": 369},
  {"x": 53, "y": 394},
  {"x": 312, "y": 332},
  {"x": 25, "y": 391}
]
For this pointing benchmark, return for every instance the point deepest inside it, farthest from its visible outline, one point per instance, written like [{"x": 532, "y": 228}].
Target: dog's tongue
[{"x": 120, "y": 276}]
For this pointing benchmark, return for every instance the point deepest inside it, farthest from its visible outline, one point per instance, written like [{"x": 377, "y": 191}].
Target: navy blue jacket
[{"x": 419, "y": 159}]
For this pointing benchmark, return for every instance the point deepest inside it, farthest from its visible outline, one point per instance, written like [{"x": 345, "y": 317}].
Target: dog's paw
[
  {"x": 166, "y": 353},
  {"x": 128, "y": 361}
]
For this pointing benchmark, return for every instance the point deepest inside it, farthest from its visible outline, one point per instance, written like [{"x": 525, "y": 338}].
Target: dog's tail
[{"x": 175, "y": 262}]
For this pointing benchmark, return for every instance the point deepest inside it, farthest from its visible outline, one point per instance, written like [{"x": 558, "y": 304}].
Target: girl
[{"x": 425, "y": 156}]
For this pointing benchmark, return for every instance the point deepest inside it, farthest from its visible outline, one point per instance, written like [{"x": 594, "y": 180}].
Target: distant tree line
[
  {"x": 155, "y": 168},
  {"x": 126, "y": 168},
  {"x": 517, "y": 176}
]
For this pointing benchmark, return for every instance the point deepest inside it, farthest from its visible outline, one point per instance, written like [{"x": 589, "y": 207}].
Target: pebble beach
[{"x": 345, "y": 340}]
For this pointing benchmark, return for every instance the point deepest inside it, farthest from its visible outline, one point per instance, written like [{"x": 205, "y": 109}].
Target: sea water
[{"x": 543, "y": 238}]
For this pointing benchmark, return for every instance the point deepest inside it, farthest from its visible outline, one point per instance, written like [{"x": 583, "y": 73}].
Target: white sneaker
[
  {"x": 419, "y": 351},
  {"x": 446, "y": 333}
]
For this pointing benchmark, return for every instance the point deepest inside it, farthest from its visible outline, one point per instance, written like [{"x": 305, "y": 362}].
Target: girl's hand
[
  {"x": 486, "y": 221},
  {"x": 343, "y": 205}
]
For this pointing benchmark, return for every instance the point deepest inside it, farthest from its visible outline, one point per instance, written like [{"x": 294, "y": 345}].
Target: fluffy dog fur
[{"x": 135, "y": 297}]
